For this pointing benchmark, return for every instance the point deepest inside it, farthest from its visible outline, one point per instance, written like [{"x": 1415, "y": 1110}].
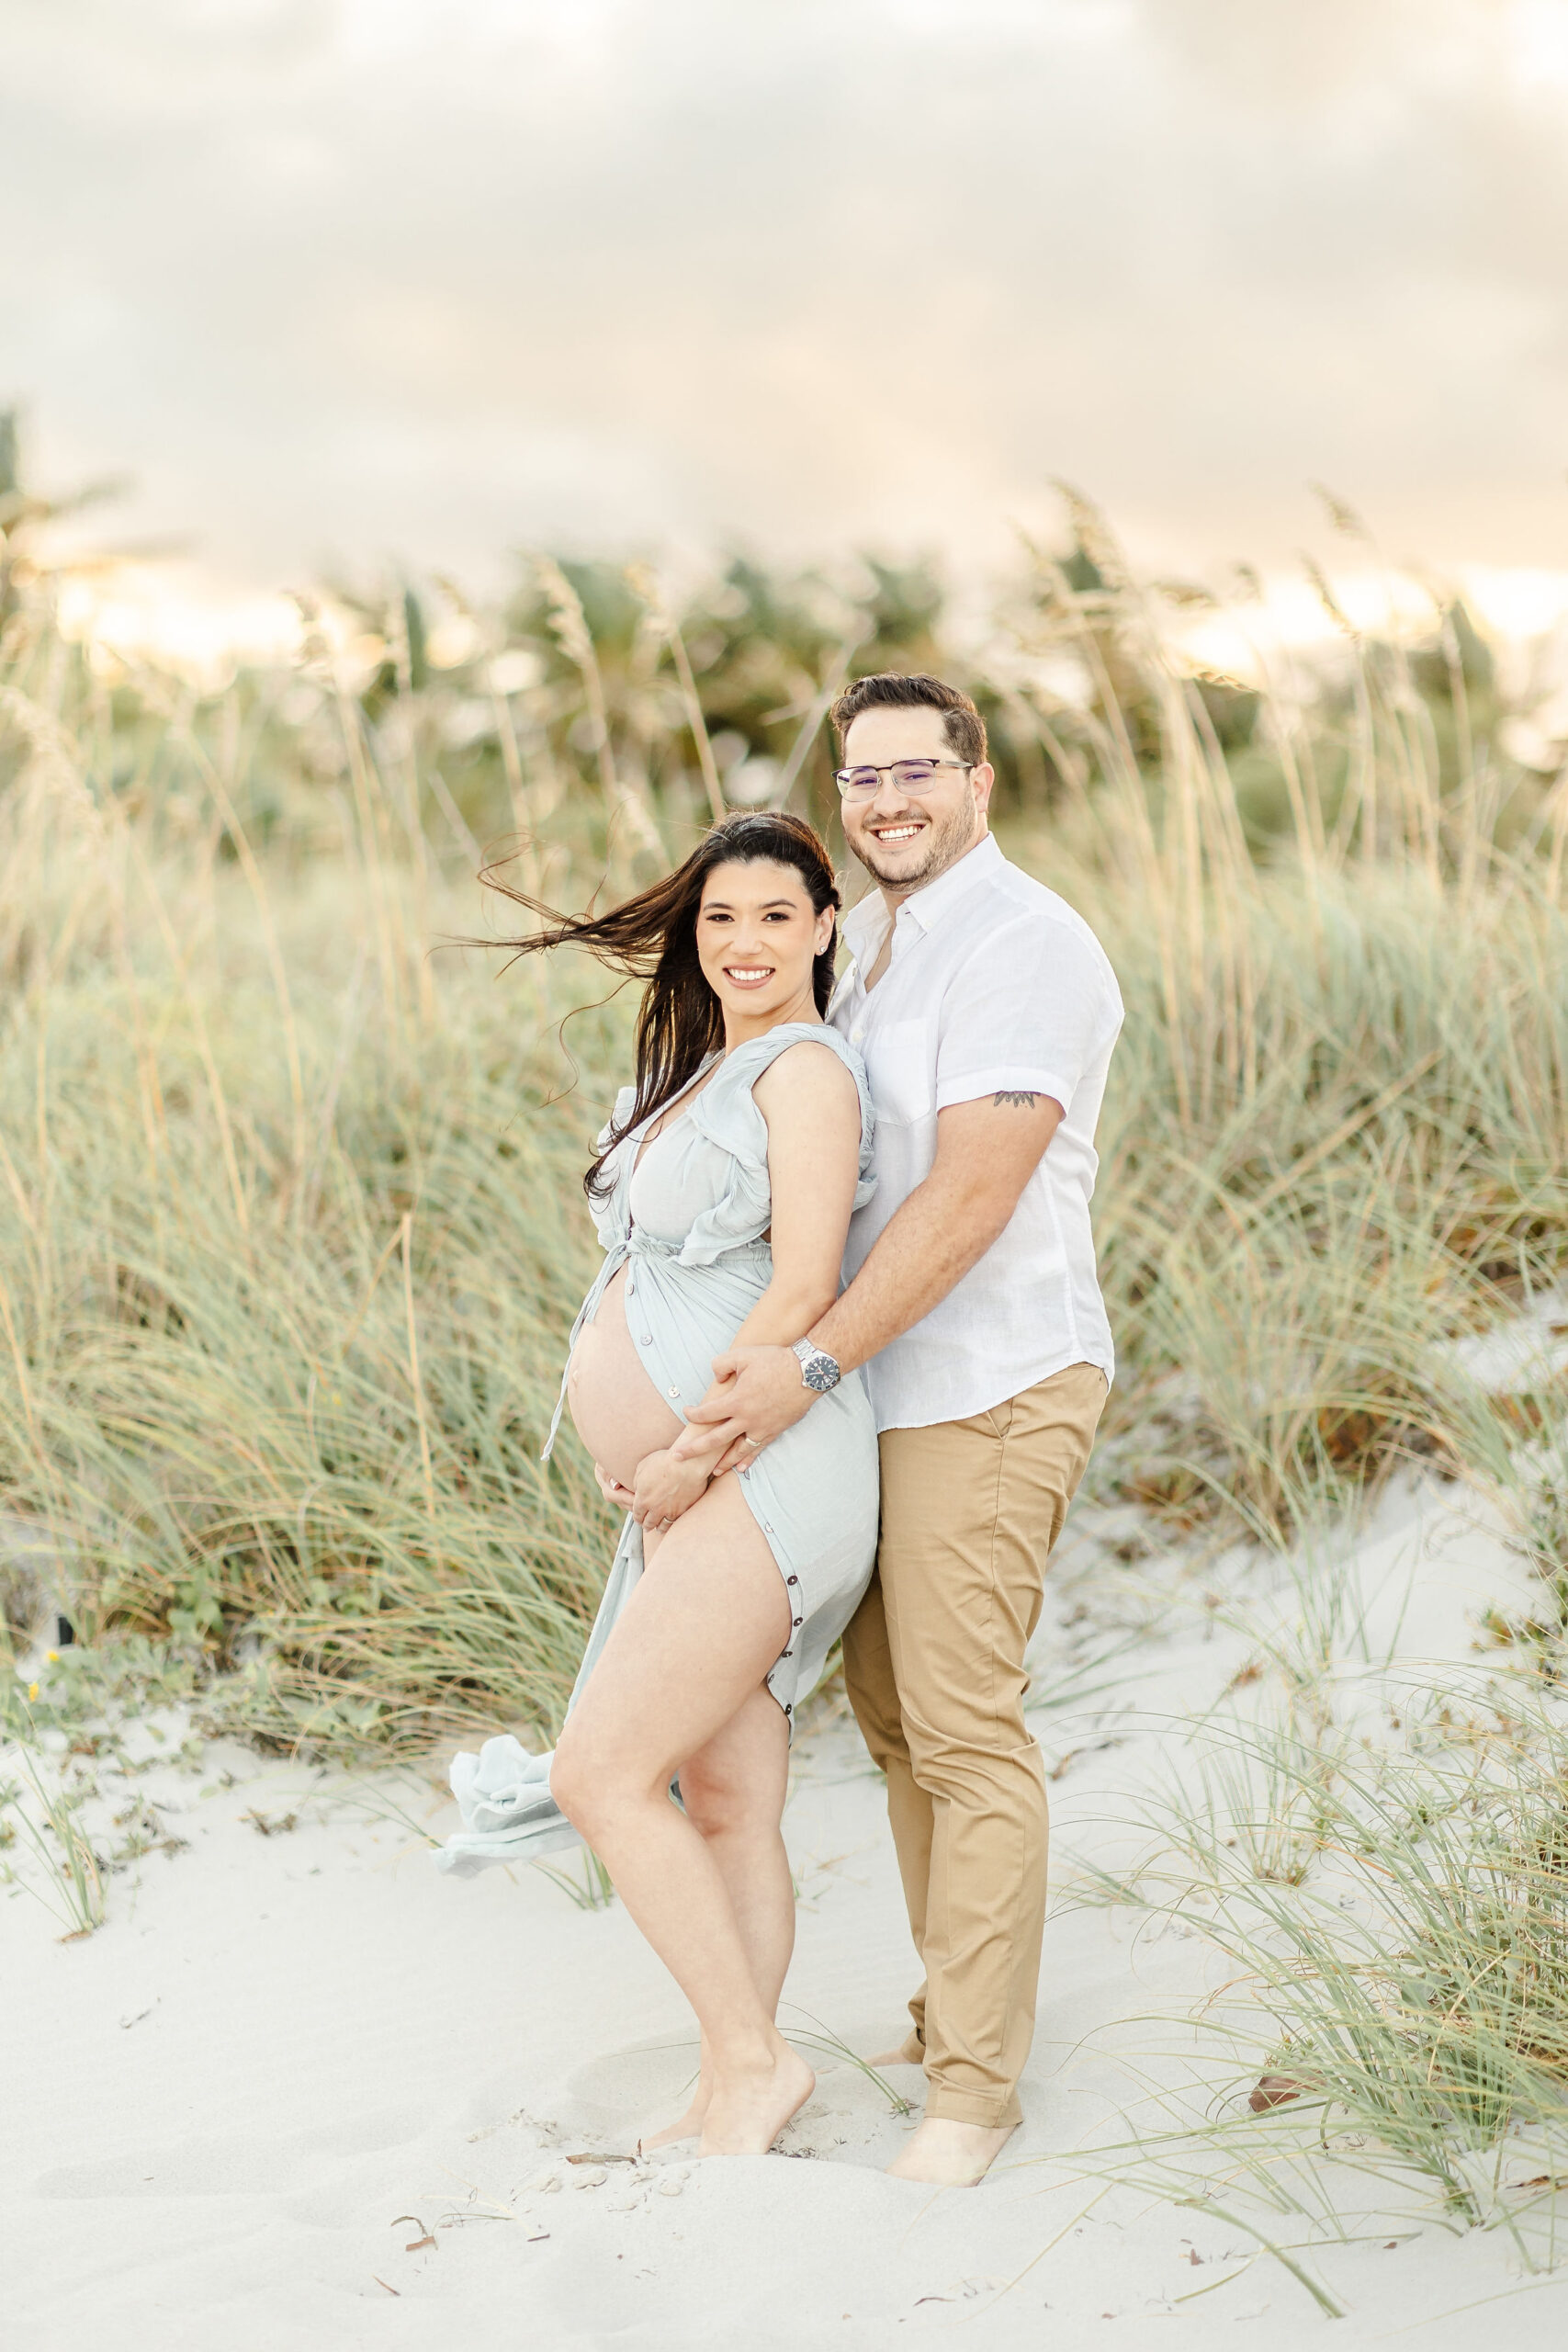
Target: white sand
[{"x": 301, "y": 2092}]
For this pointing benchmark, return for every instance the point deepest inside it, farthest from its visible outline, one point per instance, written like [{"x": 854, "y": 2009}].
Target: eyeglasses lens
[{"x": 909, "y": 775}]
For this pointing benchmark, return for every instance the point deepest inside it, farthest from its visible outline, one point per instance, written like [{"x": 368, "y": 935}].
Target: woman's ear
[{"x": 824, "y": 929}]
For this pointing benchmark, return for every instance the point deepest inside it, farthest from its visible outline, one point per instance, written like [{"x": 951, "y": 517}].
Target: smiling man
[{"x": 987, "y": 1011}]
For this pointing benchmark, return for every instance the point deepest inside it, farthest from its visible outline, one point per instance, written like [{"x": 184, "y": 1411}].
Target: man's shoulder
[{"x": 1024, "y": 912}]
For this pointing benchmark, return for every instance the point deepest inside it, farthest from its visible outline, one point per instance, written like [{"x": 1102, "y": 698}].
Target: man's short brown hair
[{"x": 891, "y": 690}]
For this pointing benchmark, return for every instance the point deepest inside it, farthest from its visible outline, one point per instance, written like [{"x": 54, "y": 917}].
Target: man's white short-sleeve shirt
[{"x": 993, "y": 984}]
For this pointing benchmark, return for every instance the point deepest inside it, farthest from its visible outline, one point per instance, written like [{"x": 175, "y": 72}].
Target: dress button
[
  {"x": 789, "y": 1710},
  {"x": 673, "y": 1392},
  {"x": 647, "y": 1338},
  {"x": 792, "y": 1579},
  {"x": 797, "y": 1620}
]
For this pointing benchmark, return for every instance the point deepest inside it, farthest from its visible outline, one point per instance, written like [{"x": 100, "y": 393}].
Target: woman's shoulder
[
  {"x": 800, "y": 1074},
  {"x": 729, "y": 1113},
  {"x": 780, "y": 1063},
  {"x": 793, "y": 1072},
  {"x": 800, "y": 1045}
]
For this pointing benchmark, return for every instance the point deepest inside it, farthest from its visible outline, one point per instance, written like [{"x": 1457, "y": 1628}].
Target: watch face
[{"x": 820, "y": 1373}]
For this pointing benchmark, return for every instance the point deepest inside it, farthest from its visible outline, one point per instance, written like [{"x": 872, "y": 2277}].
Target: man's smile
[{"x": 904, "y": 830}]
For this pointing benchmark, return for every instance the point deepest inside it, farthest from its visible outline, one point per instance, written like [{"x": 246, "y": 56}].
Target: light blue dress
[{"x": 689, "y": 1222}]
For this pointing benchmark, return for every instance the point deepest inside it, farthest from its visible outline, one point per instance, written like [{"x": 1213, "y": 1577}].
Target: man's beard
[{"x": 944, "y": 845}]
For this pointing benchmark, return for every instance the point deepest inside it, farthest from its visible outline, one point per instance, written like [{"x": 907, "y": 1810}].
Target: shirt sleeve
[{"x": 1031, "y": 1010}]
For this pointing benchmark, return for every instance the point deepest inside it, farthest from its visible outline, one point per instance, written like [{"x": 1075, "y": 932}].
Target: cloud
[{"x": 360, "y": 275}]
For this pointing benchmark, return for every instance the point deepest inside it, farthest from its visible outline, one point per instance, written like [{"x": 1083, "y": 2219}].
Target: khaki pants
[{"x": 933, "y": 1662}]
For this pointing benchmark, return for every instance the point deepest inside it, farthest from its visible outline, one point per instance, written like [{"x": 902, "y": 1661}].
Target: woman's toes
[{"x": 685, "y": 2127}]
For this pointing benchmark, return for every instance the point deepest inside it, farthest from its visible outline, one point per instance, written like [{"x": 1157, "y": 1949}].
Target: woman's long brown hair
[{"x": 653, "y": 937}]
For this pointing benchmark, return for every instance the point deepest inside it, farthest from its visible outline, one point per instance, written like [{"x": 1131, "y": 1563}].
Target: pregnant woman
[{"x": 722, "y": 1195}]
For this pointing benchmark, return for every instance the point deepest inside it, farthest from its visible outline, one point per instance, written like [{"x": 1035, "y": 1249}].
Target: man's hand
[
  {"x": 757, "y": 1394},
  {"x": 667, "y": 1486},
  {"x": 986, "y": 1153}
]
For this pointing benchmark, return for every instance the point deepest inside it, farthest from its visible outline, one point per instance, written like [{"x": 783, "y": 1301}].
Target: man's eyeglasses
[{"x": 910, "y": 776}]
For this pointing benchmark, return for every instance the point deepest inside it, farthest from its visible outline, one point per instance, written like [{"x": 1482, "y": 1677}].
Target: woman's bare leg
[
  {"x": 697, "y": 1636},
  {"x": 734, "y": 1791}
]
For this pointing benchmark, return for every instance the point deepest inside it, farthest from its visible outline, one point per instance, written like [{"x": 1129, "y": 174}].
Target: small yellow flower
[
  {"x": 32, "y": 1690},
  {"x": 52, "y": 1657}
]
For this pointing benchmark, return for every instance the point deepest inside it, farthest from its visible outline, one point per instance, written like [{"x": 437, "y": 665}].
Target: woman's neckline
[
  {"x": 680, "y": 1106},
  {"x": 678, "y": 1109}
]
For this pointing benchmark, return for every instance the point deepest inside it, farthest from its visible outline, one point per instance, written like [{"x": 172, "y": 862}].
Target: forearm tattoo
[{"x": 1016, "y": 1099}]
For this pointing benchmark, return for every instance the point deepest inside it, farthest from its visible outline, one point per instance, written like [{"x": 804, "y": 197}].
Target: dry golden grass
[{"x": 289, "y": 1225}]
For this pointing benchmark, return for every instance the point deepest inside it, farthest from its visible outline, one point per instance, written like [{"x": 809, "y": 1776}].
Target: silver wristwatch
[{"x": 819, "y": 1370}]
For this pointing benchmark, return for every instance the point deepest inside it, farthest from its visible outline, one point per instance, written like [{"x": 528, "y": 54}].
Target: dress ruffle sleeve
[
  {"x": 609, "y": 1212},
  {"x": 726, "y": 1113}
]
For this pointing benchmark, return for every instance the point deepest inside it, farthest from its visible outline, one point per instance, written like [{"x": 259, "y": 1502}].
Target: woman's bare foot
[
  {"x": 686, "y": 2127},
  {"x": 950, "y": 2154},
  {"x": 900, "y": 2057},
  {"x": 748, "y": 2110}
]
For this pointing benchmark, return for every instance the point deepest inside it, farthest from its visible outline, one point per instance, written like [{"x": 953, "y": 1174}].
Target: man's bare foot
[
  {"x": 950, "y": 2154},
  {"x": 898, "y": 2057},
  {"x": 748, "y": 2111}
]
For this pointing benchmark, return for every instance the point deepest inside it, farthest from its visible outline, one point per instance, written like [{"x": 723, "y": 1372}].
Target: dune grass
[
  {"x": 291, "y": 1231},
  {"x": 1376, "y": 1858},
  {"x": 281, "y": 1385},
  {"x": 43, "y": 1812}
]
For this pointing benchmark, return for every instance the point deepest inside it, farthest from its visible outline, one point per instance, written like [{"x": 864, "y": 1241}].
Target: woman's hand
[
  {"x": 611, "y": 1488},
  {"x": 667, "y": 1485}
]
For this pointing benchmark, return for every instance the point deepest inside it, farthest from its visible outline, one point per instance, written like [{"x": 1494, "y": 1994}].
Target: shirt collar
[{"x": 865, "y": 925}]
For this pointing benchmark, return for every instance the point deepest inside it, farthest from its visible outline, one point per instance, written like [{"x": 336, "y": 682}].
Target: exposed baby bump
[{"x": 617, "y": 1412}]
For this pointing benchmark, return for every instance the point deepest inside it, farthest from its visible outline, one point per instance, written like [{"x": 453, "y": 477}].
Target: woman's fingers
[
  {"x": 737, "y": 1456},
  {"x": 716, "y": 1405}
]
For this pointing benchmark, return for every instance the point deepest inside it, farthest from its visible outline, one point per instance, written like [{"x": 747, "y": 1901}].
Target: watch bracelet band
[{"x": 805, "y": 1352}]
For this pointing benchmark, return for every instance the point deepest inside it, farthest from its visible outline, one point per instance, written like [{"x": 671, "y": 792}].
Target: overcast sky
[{"x": 438, "y": 277}]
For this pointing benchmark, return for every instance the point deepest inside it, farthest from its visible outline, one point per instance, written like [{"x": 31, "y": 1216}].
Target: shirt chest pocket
[{"x": 900, "y": 1064}]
